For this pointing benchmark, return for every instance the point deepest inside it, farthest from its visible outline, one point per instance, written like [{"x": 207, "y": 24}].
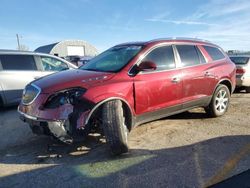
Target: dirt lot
[{"x": 186, "y": 150}]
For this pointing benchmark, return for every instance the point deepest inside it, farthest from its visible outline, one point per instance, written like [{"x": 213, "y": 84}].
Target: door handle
[
  {"x": 36, "y": 77},
  {"x": 207, "y": 74},
  {"x": 176, "y": 80}
]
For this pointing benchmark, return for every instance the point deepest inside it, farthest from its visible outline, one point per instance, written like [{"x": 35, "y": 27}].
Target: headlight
[
  {"x": 30, "y": 93},
  {"x": 70, "y": 96}
]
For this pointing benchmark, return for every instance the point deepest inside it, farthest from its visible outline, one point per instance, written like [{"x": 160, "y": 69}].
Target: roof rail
[{"x": 180, "y": 38}]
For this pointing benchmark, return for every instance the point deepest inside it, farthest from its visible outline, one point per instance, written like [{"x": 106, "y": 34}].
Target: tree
[{"x": 23, "y": 47}]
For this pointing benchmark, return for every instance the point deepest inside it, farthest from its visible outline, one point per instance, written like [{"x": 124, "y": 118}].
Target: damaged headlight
[{"x": 60, "y": 98}]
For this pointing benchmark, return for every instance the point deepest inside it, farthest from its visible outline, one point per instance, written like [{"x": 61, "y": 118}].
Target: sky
[{"x": 104, "y": 23}]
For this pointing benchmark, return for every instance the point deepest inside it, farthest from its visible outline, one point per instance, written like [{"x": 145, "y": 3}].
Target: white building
[{"x": 69, "y": 48}]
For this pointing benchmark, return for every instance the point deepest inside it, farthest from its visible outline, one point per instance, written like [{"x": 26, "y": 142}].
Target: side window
[
  {"x": 18, "y": 62},
  {"x": 163, "y": 57},
  {"x": 215, "y": 53},
  {"x": 188, "y": 55},
  {"x": 52, "y": 64}
]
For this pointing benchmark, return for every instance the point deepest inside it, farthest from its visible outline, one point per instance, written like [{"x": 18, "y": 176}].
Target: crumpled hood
[{"x": 71, "y": 78}]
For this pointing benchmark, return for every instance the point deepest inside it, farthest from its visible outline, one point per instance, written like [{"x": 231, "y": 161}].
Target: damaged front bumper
[{"x": 63, "y": 122}]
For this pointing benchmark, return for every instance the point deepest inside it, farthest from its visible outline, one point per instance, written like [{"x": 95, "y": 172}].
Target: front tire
[
  {"x": 114, "y": 127},
  {"x": 220, "y": 101}
]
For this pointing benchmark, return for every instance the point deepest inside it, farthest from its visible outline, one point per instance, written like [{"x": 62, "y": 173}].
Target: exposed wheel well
[
  {"x": 127, "y": 112},
  {"x": 228, "y": 84}
]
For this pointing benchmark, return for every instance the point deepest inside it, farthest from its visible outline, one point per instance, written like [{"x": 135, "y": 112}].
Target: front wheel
[
  {"x": 115, "y": 130},
  {"x": 220, "y": 102}
]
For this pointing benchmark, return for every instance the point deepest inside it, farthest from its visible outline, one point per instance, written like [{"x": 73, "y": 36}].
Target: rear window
[
  {"x": 240, "y": 60},
  {"x": 18, "y": 62},
  {"x": 215, "y": 53}
]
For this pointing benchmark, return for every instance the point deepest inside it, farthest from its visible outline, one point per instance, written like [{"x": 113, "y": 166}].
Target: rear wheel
[
  {"x": 114, "y": 127},
  {"x": 248, "y": 89},
  {"x": 220, "y": 101}
]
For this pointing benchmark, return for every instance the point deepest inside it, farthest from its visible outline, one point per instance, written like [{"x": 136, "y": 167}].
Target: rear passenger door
[
  {"x": 16, "y": 72},
  {"x": 197, "y": 76}
]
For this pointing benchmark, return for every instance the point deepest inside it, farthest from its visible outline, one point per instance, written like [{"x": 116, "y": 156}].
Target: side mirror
[{"x": 146, "y": 66}]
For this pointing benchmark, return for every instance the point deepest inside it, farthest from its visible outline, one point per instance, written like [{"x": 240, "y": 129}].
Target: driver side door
[{"x": 158, "y": 92}]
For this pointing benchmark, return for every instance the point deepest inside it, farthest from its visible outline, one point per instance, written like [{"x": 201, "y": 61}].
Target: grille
[{"x": 30, "y": 93}]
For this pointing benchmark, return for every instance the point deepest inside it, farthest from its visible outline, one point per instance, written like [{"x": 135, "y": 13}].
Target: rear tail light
[{"x": 240, "y": 71}]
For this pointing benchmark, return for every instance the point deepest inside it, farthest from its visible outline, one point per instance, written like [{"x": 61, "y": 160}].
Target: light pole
[{"x": 18, "y": 42}]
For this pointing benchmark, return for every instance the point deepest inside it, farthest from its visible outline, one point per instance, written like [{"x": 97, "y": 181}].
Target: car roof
[
  {"x": 173, "y": 39},
  {"x": 4, "y": 51}
]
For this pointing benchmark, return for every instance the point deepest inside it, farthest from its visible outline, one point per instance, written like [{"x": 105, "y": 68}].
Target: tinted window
[
  {"x": 240, "y": 60},
  {"x": 18, "y": 62},
  {"x": 51, "y": 64},
  {"x": 163, "y": 57},
  {"x": 215, "y": 53},
  {"x": 188, "y": 55}
]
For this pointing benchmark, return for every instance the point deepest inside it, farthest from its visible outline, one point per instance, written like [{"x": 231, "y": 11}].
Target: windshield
[
  {"x": 112, "y": 60},
  {"x": 240, "y": 60}
]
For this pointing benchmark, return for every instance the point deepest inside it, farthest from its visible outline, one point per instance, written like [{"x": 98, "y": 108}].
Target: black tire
[
  {"x": 114, "y": 127},
  {"x": 247, "y": 89},
  {"x": 220, "y": 101}
]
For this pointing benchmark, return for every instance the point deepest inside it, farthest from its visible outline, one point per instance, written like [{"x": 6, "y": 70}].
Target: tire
[
  {"x": 115, "y": 130},
  {"x": 220, "y": 101},
  {"x": 248, "y": 89}
]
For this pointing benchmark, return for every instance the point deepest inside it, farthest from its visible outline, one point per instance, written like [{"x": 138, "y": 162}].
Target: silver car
[
  {"x": 242, "y": 63},
  {"x": 18, "y": 68}
]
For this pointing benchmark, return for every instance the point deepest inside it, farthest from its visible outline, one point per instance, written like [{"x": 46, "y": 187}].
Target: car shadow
[
  {"x": 240, "y": 91},
  {"x": 197, "y": 114},
  {"x": 90, "y": 164},
  {"x": 8, "y": 108}
]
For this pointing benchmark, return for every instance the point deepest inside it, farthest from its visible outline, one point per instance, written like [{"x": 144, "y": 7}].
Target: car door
[
  {"x": 197, "y": 76},
  {"x": 158, "y": 90},
  {"x": 17, "y": 71},
  {"x": 50, "y": 65}
]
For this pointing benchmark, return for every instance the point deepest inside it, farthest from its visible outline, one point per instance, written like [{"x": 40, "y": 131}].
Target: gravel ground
[{"x": 186, "y": 150}]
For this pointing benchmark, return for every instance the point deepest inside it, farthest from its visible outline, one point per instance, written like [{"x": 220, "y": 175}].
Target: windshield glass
[
  {"x": 240, "y": 60},
  {"x": 112, "y": 60}
]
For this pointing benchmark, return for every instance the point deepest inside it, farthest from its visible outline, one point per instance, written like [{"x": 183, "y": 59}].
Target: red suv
[{"x": 127, "y": 85}]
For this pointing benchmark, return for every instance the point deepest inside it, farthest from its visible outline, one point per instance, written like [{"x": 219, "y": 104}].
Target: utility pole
[{"x": 18, "y": 42}]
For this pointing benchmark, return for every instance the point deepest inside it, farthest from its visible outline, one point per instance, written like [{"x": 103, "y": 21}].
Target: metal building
[{"x": 69, "y": 48}]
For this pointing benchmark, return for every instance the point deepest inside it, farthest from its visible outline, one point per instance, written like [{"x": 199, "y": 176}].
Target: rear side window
[
  {"x": 163, "y": 57},
  {"x": 240, "y": 60},
  {"x": 18, "y": 62},
  {"x": 215, "y": 53},
  {"x": 51, "y": 64},
  {"x": 188, "y": 54}
]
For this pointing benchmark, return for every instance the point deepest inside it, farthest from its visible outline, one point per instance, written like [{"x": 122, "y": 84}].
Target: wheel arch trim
[
  {"x": 104, "y": 101},
  {"x": 226, "y": 79}
]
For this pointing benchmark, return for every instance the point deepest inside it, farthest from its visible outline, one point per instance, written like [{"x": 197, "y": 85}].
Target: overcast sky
[{"x": 104, "y": 23}]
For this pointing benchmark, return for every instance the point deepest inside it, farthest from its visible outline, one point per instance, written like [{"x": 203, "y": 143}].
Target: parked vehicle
[
  {"x": 79, "y": 60},
  {"x": 242, "y": 63},
  {"x": 128, "y": 85},
  {"x": 18, "y": 68}
]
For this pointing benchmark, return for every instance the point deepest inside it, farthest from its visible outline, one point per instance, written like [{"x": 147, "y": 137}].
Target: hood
[{"x": 71, "y": 78}]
